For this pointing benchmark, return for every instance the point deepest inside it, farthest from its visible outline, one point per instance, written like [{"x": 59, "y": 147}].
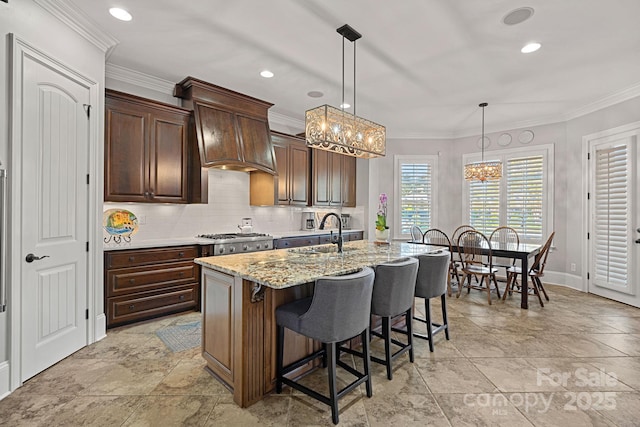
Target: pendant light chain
[
  {"x": 354, "y": 77},
  {"x": 342, "y": 102},
  {"x": 483, "y": 105}
]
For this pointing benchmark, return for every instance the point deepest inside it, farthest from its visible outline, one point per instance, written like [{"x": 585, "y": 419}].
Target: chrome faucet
[{"x": 339, "y": 241}]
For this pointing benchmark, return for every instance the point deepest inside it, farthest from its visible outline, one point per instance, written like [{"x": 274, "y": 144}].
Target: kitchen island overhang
[{"x": 241, "y": 293}]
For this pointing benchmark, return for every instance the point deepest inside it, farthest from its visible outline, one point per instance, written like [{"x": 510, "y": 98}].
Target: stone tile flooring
[{"x": 575, "y": 362}]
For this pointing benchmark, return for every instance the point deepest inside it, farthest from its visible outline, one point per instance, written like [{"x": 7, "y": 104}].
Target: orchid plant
[{"x": 381, "y": 222}]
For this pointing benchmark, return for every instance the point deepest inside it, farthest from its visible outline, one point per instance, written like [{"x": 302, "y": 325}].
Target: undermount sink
[{"x": 319, "y": 250}]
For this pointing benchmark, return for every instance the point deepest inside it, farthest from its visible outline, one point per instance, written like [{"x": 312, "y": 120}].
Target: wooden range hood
[{"x": 232, "y": 129}]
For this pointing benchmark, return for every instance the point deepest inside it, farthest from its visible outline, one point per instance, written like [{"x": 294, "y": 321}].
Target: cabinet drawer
[
  {"x": 139, "y": 279},
  {"x": 146, "y": 305},
  {"x": 355, "y": 235},
  {"x": 294, "y": 242},
  {"x": 118, "y": 259}
]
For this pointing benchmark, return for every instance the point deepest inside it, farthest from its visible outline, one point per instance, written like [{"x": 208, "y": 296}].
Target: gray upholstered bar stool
[
  {"x": 393, "y": 295},
  {"x": 338, "y": 310},
  {"x": 430, "y": 283}
]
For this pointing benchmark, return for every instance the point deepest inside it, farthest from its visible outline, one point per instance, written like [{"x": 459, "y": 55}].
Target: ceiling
[{"x": 423, "y": 66}]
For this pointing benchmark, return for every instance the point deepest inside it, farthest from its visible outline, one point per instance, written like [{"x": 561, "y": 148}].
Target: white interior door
[
  {"x": 614, "y": 217},
  {"x": 54, "y": 206}
]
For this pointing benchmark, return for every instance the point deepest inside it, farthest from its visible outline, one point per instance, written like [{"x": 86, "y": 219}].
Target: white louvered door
[{"x": 614, "y": 255}]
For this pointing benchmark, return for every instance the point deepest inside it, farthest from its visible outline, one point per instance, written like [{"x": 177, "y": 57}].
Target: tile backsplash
[{"x": 228, "y": 204}]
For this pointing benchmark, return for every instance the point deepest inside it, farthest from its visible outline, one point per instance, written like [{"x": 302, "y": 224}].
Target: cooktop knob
[
  {"x": 245, "y": 247},
  {"x": 221, "y": 250}
]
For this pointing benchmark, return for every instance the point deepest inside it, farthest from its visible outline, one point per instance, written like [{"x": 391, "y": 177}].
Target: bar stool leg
[
  {"x": 333, "y": 391},
  {"x": 366, "y": 361},
  {"x": 445, "y": 321},
  {"x": 408, "y": 319},
  {"x": 386, "y": 333},
  {"x": 427, "y": 306},
  {"x": 279, "y": 355}
]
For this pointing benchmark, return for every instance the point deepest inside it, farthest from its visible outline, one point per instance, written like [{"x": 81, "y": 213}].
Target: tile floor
[{"x": 575, "y": 362}]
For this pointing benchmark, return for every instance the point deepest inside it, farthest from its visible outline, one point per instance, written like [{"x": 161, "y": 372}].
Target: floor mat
[{"x": 181, "y": 337}]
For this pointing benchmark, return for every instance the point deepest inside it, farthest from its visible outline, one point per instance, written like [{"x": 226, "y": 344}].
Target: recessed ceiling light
[
  {"x": 530, "y": 47},
  {"x": 517, "y": 16},
  {"x": 315, "y": 94},
  {"x": 266, "y": 74},
  {"x": 345, "y": 106},
  {"x": 120, "y": 14}
]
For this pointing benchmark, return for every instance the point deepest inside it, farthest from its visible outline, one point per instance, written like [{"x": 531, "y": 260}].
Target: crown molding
[
  {"x": 137, "y": 78},
  {"x": 607, "y": 101},
  {"x": 71, "y": 16},
  {"x": 285, "y": 120}
]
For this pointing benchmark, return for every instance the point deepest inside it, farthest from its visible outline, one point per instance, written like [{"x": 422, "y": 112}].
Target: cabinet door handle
[
  {"x": 182, "y": 274},
  {"x": 132, "y": 306},
  {"x": 131, "y": 259},
  {"x": 180, "y": 254},
  {"x": 146, "y": 194},
  {"x": 132, "y": 281},
  {"x": 181, "y": 297}
]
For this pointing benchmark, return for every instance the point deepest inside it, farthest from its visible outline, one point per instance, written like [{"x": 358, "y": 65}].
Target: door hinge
[
  {"x": 588, "y": 276},
  {"x": 588, "y": 196},
  {"x": 87, "y": 179},
  {"x": 588, "y": 156},
  {"x": 86, "y": 314},
  {"x": 87, "y": 246},
  {"x": 588, "y": 236},
  {"x": 87, "y": 109}
]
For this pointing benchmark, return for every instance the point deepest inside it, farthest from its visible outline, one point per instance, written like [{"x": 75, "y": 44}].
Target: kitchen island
[{"x": 241, "y": 293}]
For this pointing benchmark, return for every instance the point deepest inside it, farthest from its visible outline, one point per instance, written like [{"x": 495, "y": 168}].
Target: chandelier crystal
[
  {"x": 333, "y": 129},
  {"x": 483, "y": 171}
]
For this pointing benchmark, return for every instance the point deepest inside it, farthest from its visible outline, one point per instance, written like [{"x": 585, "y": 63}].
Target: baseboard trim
[
  {"x": 564, "y": 279},
  {"x": 5, "y": 390},
  {"x": 101, "y": 327}
]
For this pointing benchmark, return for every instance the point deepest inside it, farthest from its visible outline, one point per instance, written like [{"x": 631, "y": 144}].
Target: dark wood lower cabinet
[{"x": 145, "y": 283}]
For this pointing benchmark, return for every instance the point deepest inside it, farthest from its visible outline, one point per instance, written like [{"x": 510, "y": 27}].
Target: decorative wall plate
[
  {"x": 119, "y": 224},
  {"x": 525, "y": 137},
  {"x": 487, "y": 142},
  {"x": 504, "y": 139}
]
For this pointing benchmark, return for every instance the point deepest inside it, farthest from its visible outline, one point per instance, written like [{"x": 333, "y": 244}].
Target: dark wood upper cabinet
[
  {"x": 334, "y": 179},
  {"x": 232, "y": 129},
  {"x": 146, "y": 150},
  {"x": 291, "y": 185},
  {"x": 348, "y": 181}
]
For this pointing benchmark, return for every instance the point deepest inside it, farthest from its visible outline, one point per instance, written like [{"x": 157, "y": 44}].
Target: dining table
[{"x": 521, "y": 251}]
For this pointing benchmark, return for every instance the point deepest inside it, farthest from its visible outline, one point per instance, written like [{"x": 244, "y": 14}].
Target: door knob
[
  {"x": 637, "y": 240},
  {"x": 32, "y": 257}
]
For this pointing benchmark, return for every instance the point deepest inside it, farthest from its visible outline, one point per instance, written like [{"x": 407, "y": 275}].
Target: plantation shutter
[
  {"x": 415, "y": 196},
  {"x": 484, "y": 205},
  {"x": 611, "y": 253},
  {"x": 525, "y": 198}
]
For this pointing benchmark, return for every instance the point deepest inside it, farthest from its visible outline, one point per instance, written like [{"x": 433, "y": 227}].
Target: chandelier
[
  {"x": 483, "y": 171},
  {"x": 333, "y": 129}
]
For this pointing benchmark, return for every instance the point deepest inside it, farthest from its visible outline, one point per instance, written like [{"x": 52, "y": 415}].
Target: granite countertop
[{"x": 283, "y": 268}]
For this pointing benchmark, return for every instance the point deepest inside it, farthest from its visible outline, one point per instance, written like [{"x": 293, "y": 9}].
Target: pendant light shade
[
  {"x": 483, "y": 171},
  {"x": 333, "y": 129}
]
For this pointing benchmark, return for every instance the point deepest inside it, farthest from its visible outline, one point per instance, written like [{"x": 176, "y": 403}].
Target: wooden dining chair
[
  {"x": 474, "y": 250},
  {"x": 438, "y": 237},
  {"x": 535, "y": 273},
  {"x": 458, "y": 231},
  {"x": 416, "y": 234},
  {"x": 454, "y": 241},
  {"x": 504, "y": 237}
]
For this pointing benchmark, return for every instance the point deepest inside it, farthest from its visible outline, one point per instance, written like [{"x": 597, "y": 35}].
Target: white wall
[{"x": 33, "y": 24}]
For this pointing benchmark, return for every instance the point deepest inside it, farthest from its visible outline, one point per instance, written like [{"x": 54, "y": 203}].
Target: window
[
  {"x": 415, "y": 190},
  {"x": 522, "y": 198}
]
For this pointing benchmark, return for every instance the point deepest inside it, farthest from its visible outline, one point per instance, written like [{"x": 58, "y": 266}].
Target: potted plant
[{"x": 382, "y": 229}]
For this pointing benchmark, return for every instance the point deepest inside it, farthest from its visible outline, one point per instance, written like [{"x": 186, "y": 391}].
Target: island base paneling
[{"x": 239, "y": 334}]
